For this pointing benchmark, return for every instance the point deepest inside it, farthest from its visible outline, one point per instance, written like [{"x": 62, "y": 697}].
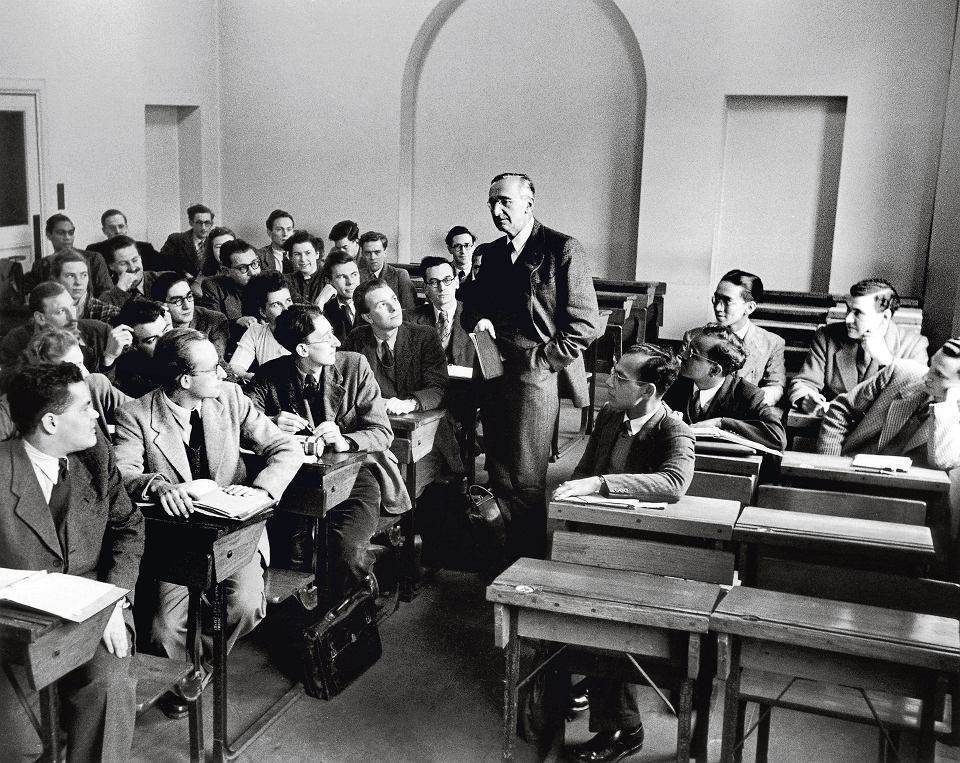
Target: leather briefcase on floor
[{"x": 342, "y": 646}]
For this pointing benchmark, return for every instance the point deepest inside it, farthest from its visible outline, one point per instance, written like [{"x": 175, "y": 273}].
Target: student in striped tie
[
  {"x": 638, "y": 449},
  {"x": 442, "y": 310}
]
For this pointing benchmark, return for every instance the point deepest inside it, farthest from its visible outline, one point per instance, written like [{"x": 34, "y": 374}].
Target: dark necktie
[
  {"x": 310, "y": 394},
  {"x": 461, "y": 275},
  {"x": 347, "y": 313},
  {"x": 386, "y": 355},
  {"x": 196, "y": 448},
  {"x": 443, "y": 328},
  {"x": 60, "y": 503}
]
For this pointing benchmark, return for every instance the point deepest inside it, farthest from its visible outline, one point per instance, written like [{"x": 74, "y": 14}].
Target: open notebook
[
  {"x": 217, "y": 503},
  {"x": 68, "y": 596}
]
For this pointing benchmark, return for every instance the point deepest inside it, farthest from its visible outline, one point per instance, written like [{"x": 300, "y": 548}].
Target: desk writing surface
[
  {"x": 698, "y": 516},
  {"x": 415, "y": 433},
  {"x": 824, "y": 467},
  {"x": 581, "y": 590},
  {"x": 322, "y": 483},
  {"x": 800, "y": 420},
  {"x": 776, "y": 526},
  {"x": 895, "y": 635},
  {"x": 745, "y": 465},
  {"x": 409, "y": 422}
]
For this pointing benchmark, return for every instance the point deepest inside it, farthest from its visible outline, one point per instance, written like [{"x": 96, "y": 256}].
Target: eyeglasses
[
  {"x": 253, "y": 267},
  {"x": 687, "y": 353},
  {"x": 217, "y": 369},
  {"x": 180, "y": 301},
  {"x": 462, "y": 247},
  {"x": 619, "y": 378},
  {"x": 324, "y": 339},
  {"x": 436, "y": 282}
]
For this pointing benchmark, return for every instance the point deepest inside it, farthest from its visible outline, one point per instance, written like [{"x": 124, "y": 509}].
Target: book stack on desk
[
  {"x": 717, "y": 441},
  {"x": 68, "y": 596}
]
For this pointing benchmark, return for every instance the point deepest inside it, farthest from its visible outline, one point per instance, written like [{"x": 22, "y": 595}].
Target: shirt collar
[
  {"x": 706, "y": 395},
  {"x": 181, "y": 414},
  {"x": 49, "y": 465},
  {"x": 391, "y": 342},
  {"x": 635, "y": 425},
  {"x": 742, "y": 331},
  {"x": 520, "y": 240}
]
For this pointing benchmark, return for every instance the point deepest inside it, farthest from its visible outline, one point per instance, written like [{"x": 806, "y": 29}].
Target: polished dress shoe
[
  {"x": 579, "y": 701},
  {"x": 607, "y": 747},
  {"x": 173, "y": 705}
]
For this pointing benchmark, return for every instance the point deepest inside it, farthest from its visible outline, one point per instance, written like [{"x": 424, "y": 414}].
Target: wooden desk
[
  {"x": 748, "y": 466},
  {"x": 793, "y": 529},
  {"x": 200, "y": 553},
  {"x": 631, "y": 612},
  {"x": 818, "y": 470},
  {"x": 836, "y": 642},
  {"x": 414, "y": 435},
  {"x": 708, "y": 518},
  {"x": 48, "y": 648}
]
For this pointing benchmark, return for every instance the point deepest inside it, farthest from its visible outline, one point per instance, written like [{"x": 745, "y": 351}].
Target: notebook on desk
[
  {"x": 68, "y": 596},
  {"x": 218, "y": 503},
  {"x": 875, "y": 463},
  {"x": 626, "y": 504}
]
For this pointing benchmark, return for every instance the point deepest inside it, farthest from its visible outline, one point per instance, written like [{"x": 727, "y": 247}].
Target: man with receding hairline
[{"x": 535, "y": 296}]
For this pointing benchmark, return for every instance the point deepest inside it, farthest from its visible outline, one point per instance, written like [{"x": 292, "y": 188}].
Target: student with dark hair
[
  {"x": 61, "y": 475},
  {"x": 734, "y": 300},
  {"x": 344, "y": 237},
  {"x": 51, "y": 306},
  {"x": 373, "y": 265},
  {"x": 174, "y": 291},
  {"x": 274, "y": 256},
  {"x": 184, "y": 251},
  {"x": 335, "y": 397},
  {"x": 178, "y": 442},
  {"x": 268, "y": 295},
  {"x": 224, "y": 291},
  {"x": 844, "y": 354},
  {"x": 126, "y": 270},
  {"x": 217, "y": 237},
  {"x": 637, "y": 449},
  {"x": 710, "y": 393},
  {"x": 442, "y": 310},
  {"x": 60, "y": 233},
  {"x": 113, "y": 223},
  {"x": 342, "y": 273},
  {"x": 306, "y": 281},
  {"x": 905, "y": 410},
  {"x": 70, "y": 269},
  {"x": 136, "y": 372},
  {"x": 460, "y": 244}
]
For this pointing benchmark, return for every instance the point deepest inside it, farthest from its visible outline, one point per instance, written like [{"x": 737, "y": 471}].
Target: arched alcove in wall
[{"x": 555, "y": 90}]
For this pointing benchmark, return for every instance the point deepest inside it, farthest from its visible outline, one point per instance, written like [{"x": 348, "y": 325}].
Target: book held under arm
[
  {"x": 491, "y": 364},
  {"x": 68, "y": 596}
]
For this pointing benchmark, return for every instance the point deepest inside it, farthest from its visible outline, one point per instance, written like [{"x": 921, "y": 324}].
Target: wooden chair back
[
  {"x": 706, "y": 565},
  {"x": 852, "y": 505}
]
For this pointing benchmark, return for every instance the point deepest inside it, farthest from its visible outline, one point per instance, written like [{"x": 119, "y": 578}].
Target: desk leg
[
  {"x": 50, "y": 723},
  {"x": 593, "y": 385},
  {"x": 219, "y": 606},
  {"x": 194, "y": 631},
  {"x": 928, "y": 712},
  {"x": 685, "y": 708},
  {"x": 728, "y": 671},
  {"x": 408, "y": 551},
  {"x": 510, "y": 681}
]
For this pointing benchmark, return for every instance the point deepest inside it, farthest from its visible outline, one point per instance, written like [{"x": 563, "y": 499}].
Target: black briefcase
[{"x": 342, "y": 646}]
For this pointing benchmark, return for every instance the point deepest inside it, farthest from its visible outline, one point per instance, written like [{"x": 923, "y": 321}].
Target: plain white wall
[
  {"x": 100, "y": 63},
  {"x": 311, "y": 114}
]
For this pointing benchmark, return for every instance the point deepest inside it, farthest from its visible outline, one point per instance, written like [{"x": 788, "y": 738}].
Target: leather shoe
[
  {"x": 173, "y": 705},
  {"x": 579, "y": 701},
  {"x": 607, "y": 747}
]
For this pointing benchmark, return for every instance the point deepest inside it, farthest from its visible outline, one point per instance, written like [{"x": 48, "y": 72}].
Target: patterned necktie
[
  {"x": 386, "y": 355},
  {"x": 347, "y": 312},
  {"x": 461, "y": 275},
  {"x": 60, "y": 498},
  {"x": 443, "y": 328}
]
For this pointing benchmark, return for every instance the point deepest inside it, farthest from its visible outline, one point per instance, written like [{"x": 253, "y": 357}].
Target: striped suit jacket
[{"x": 871, "y": 415}]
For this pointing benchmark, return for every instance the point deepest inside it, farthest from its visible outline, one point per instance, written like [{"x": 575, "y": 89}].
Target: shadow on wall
[{"x": 554, "y": 90}]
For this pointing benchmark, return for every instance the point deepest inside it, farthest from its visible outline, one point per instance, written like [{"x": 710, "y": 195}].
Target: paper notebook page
[
  {"x": 894, "y": 463},
  {"x": 10, "y": 576},
  {"x": 232, "y": 505},
  {"x": 624, "y": 503},
  {"x": 68, "y": 596}
]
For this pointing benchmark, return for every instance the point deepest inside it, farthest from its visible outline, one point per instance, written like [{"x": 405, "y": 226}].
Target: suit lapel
[
  {"x": 333, "y": 392},
  {"x": 720, "y": 399},
  {"x": 212, "y": 416},
  {"x": 402, "y": 356},
  {"x": 29, "y": 503},
  {"x": 166, "y": 436},
  {"x": 846, "y": 363},
  {"x": 82, "y": 495},
  {"x": 899, "y": 413},
  {"x": 458, "y": 339},
  {"x": 606, "y": 438},
  {"x": 641, "y": 439}
]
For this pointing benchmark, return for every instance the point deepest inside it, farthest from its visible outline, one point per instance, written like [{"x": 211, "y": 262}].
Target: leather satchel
[{"x": 343, "y": 645}]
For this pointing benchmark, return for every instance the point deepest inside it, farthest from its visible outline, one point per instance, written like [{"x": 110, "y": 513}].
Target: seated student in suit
[
  {"x": 442, "y": 310},
  {"x": 267, "y": 295},
  {"x": 274, "y": 256},
  {"x": 51, "y": 305},
  {"x": 905, "y": 410},
  {"x": 306, "y": 281},
  {"x": 60, "y": 346},
  {"x": 407, "y": 361},
  {"x": 342, "y": 273},
  {"x": 70, "y": 269},
  {"x": 844, "y": 354},
  {"x": 184, "y": 251},
  {"x": 174, "y": 443},
  {"x": 224, "y": 291},
  {"x": 344, "y": 237},
  {"x": 172, "y": 290},
  {"x": 126, "y": 269},
  {"x": 638, "y": 449},
  {"x": 60, "y": 232},
  {"x": 113, "y": 223},
  {"x": 334, "y": 396},
  {"x": 71, "y": 515},
  {"x": 210, "y": 265},
  {"x": 710, "y": 393},
  {"x": 136, "y": 373},
  {"x": 734, "y": 299},
  {"x": 374, "y": 265}
]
